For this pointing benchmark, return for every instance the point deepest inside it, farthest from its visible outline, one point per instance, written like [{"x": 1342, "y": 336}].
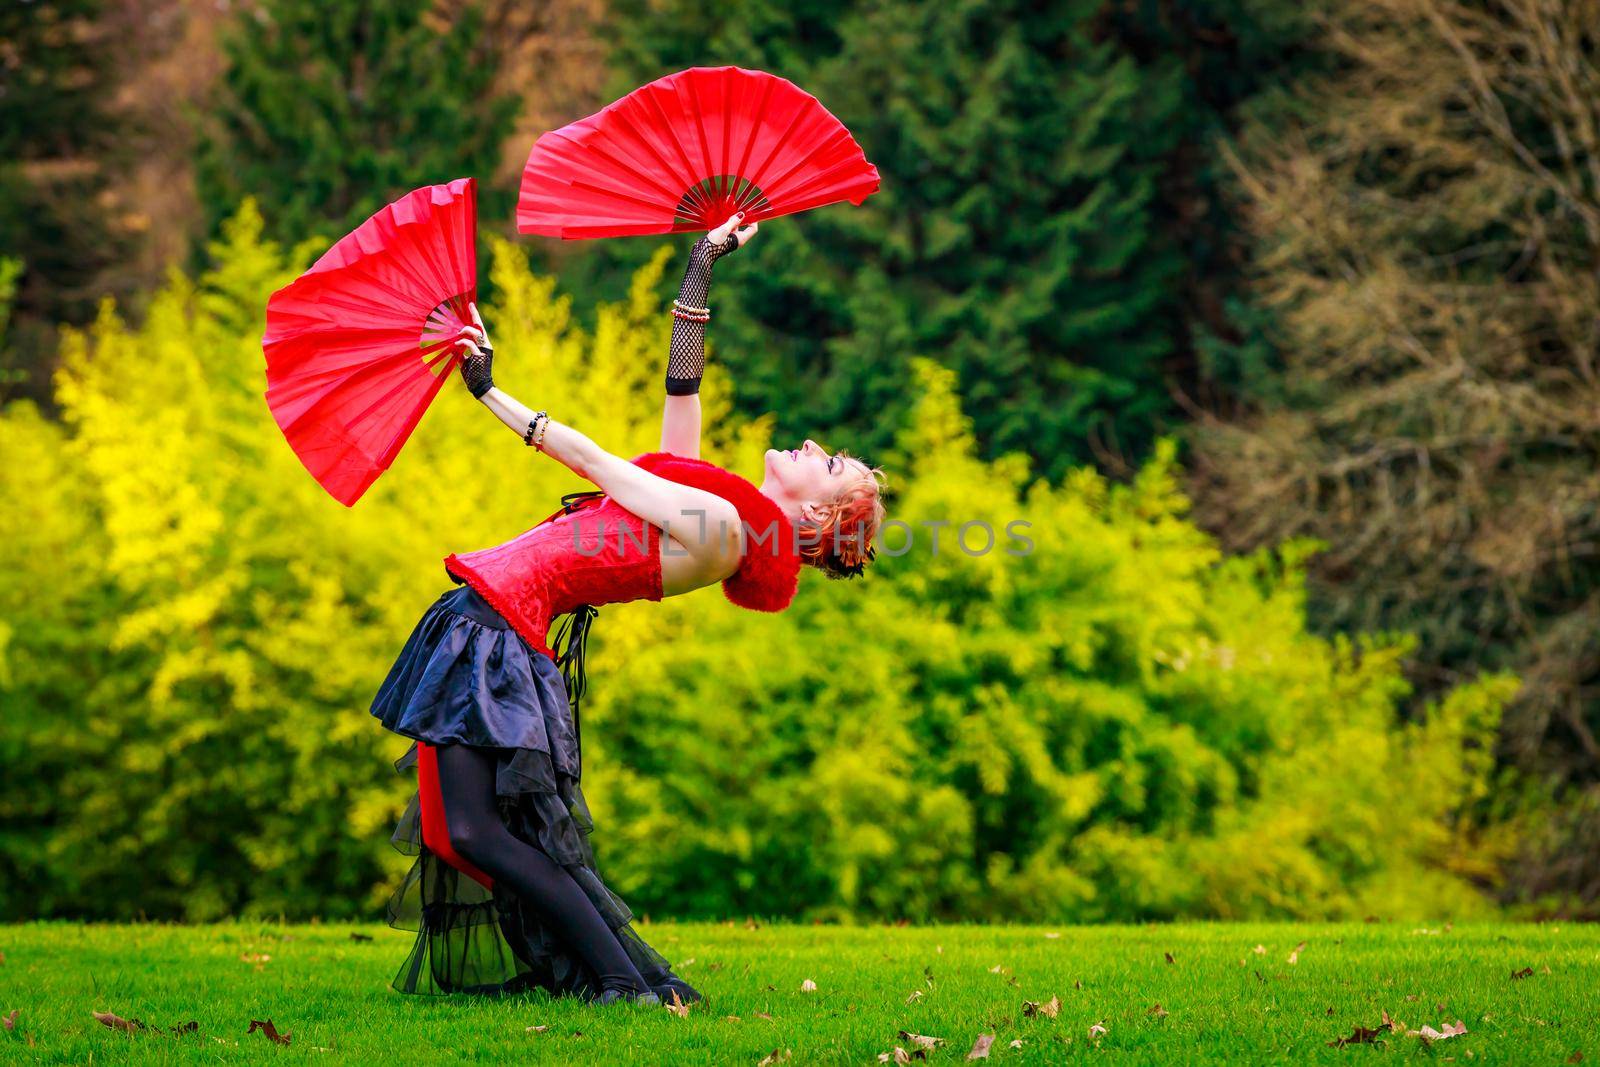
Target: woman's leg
[{"x": 466, "y": 785}]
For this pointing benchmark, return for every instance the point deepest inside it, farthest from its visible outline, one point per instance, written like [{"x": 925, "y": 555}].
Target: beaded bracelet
[
  {"x": 689, "y": 312},
  {"x": 527, "y": 437}
]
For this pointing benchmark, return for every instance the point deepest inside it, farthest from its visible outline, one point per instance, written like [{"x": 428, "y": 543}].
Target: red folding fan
[
  {"x": 687, "y": 151},
  {"x": 359, "y": 345}
]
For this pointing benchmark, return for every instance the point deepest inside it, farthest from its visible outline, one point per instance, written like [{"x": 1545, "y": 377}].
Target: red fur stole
[{"x": 769, "y": 573}]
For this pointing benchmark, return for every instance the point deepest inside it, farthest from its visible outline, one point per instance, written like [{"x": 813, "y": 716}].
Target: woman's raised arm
[
  {"x": 686, "y": 360},
  {"x": 704, "y": 524}
]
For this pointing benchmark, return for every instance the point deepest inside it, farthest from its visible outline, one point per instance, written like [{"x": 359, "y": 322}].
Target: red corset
[{"x": 601, "y": 553}]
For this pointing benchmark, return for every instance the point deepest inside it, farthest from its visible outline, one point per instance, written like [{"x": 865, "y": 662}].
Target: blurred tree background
[
  {"x": 326, "y": 112},
  {"x": 1327, "y": 270}
]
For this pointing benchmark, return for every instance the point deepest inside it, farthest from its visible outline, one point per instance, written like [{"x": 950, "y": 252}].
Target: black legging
[{"x": 466, "y": 786}]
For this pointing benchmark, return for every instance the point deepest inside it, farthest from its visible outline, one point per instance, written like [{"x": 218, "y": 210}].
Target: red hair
[{"x": 840, "y": 543}]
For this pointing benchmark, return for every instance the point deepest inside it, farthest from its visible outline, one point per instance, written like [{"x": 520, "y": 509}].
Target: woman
[{"x": 504, "y": 894}]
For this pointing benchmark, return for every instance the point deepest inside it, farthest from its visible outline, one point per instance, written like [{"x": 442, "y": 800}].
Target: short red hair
[{"x": 840, "y": 544}]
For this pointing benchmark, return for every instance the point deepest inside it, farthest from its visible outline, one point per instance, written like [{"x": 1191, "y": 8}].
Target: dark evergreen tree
[
  {"x": 54, "y": 132},
  {"x": 328, "y": 111},
  {"x": 1048, "y": 183}
]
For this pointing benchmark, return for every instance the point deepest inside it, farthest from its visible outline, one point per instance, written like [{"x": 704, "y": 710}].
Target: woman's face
[{"x": 808, "y": 474}]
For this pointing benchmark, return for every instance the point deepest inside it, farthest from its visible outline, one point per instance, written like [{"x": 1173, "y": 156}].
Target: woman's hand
[
  {"x": 719, "y": 236},
  {"x": 477, "y": 363}
]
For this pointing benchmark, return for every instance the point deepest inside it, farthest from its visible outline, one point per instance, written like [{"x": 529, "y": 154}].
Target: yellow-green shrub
[{"x": 1119, "y": 724}]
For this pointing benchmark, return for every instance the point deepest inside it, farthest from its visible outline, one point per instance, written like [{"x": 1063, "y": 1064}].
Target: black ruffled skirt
[{"x": 466, "y": 677}]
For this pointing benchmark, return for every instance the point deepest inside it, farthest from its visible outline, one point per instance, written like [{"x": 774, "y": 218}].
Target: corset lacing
[{"x": 573, "y": 634}]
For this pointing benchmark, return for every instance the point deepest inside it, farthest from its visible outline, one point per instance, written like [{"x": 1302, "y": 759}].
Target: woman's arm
[
  {"x": 680, "y": 411},
  {"x": 704, "y": 524},
  {"x": 680, "y": 425}
]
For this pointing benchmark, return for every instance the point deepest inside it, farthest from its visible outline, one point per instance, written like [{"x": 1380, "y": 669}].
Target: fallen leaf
[
  {"x": 360, "y": 937},
  {"x": 939, "y": 949},
  {"x": 980, "y": 1047},
  {"x": 270, "y": 1031},
  {"x": 1052, "y": 935},
  {"x": 1050, "y": 1008},
  {"x": 763, "y": 1015},
  {"x": 688, "y": 962},
  {"x": 1576, "y": 1057},
  {"x": 117, "y": 1022},
  {"x": 2, "y": 959},
  {"x": 1169, "y": 957},
  {"x": 677, "y": 1007},
  {"x": 1016, "y": 1042},
  {"x": 1260, "y": 950},
  {"x": 1428, "y": 1033},
  {"x": 1077, "y": 985},
  {"x": 1362, "y": 1036},
  {"x": 916, "y": 995},
  {"x": 997, "y": 969},
  {"x": 534, "y": 1029},
  {"x": 1330, "y": 1011},
  {"x": 1294, "y": 957},
  {"x": 256, "y": 957},
  {"x": 731, "y": 1018},
  {"x": 1158, "y": 1011},
  {"x": 921, "y": 1040},
  {"x": 10, "y": 1021},
  {"x": 1411, "y": 996},
  {"x": 808, "y": 986},
  {"x": 1526, "y": 972},
  {"x": 775, "y": 1056},
  {"x": 1097, "y": 1031}
]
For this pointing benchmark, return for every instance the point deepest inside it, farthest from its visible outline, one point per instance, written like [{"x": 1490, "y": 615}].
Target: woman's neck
[{"x": 775, "y": 493}]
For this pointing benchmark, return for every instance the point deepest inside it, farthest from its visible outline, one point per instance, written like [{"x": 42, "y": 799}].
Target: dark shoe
[
  {"x": 687, "y": 993},
  {"x": 612, "y": 996}
]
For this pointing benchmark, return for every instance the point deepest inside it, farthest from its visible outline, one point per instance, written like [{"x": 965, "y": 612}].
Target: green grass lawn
[{"x": 1220, "y": 998}]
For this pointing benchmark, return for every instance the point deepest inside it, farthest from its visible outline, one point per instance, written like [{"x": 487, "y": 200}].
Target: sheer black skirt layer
[{"x": 465, "y": 677}]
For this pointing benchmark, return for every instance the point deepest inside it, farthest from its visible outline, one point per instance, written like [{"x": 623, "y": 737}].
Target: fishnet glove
[
  {"x": 477, "y": 356},
  {"x": 686, "y": 360}
]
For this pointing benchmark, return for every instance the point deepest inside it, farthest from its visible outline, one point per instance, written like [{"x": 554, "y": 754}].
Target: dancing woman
[{"x": 504, "y": 894}]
